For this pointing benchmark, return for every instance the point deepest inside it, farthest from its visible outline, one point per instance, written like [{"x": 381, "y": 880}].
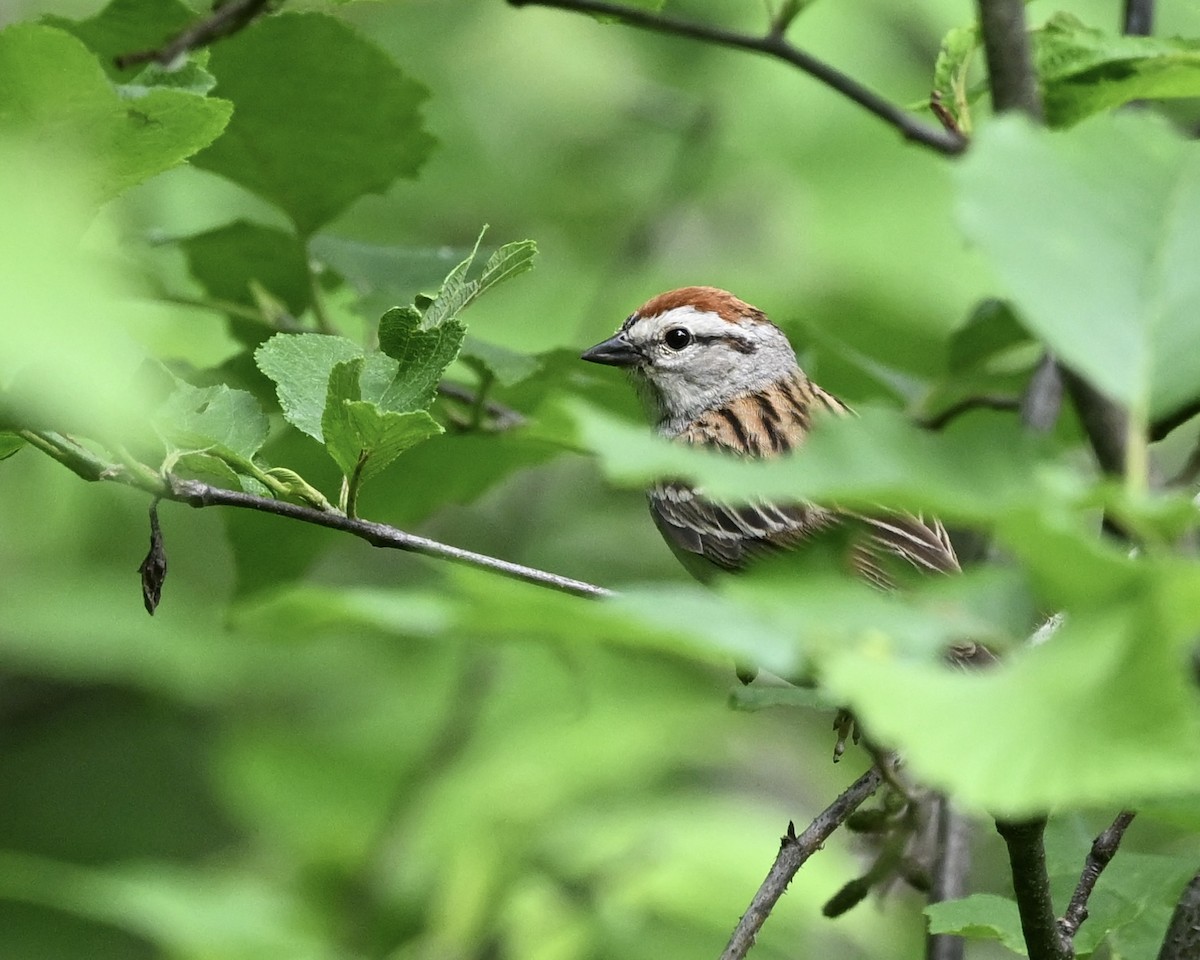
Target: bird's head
[{"x": 694, "y": 349}]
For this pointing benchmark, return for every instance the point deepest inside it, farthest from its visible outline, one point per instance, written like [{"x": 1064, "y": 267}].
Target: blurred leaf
[
  {"x": 1096, "y": 249},
  {"x": 205, "y": 417},
  {"x": 300, "y": 364},
  {"x": 457, "y": 292},
  {"x": 507, "y": 366},
  {"x": 981, "y": 916},
  {"x": 875, "y": 458},
  {"x": 991, "y": 331},
  {"x": 361, "y": 437},
  {"x": 1112, "y": 676},
  {"x": 1085, "y": 71},
  {"x": 423, "y": 354},
  {"x": 52, "y": 81},
  {"x": 10, "y": 443},
  {"x": 385, "y": 275},
  {"x": 126, "y": 26},
  {"x": 323, "y": 116},
  {"x": 229, "y": 260}
]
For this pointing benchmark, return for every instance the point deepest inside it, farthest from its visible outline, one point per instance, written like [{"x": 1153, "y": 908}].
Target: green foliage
[
  {"x": 52, "y": 81},
  {"x": 981, "y": 916},
  {"x": 292, "y": 140},
  {"x": 315, "y": 749},
  {"x": 1100, "y": 273}
]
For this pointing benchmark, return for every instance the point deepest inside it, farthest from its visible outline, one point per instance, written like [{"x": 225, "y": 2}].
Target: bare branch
[
  {"x": 1104, "y": 847},
  {"x": 773, "y": 44},
  {"x": 1182, "y": 941},
  {"x": 196, "y": 494},
  {"x": 950, "y": 870},
  {"x": 793, "y": 852},
  {"x": 1031, "y": 886},
  {"x": 1010, "y": 67},
  {"x": 1139, "y": 17},
  {"x": 227, "y": 19},
  {"x": 1104, "y": 422}
]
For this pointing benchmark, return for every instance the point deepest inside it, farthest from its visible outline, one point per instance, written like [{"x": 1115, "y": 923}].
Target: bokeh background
[{"x": 237, "y": 779}]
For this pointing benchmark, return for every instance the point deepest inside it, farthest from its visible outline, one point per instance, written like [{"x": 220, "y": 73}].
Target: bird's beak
[{"x": 616, "y": 351}]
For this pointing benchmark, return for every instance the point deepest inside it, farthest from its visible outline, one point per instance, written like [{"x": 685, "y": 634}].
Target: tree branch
[
  {"x": 983, "y": 401},
  {"x": 87, "y": 465},
  {"x": 1139, "y": 17},
  {"x": 1104, "y": 847},
  {"x": 1031, "y": 886},
  {"x": 225, "y": 20},
  {"x": 773, "y": 44},
  {"x": 1182, "y": 941},
  {"x": 793, "y": 852},
  {"x": 950, "y": 870},
  {"x": 1010, "y": 67}
]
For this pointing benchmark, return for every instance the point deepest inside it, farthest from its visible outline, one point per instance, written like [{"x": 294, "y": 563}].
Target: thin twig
[
  {"x": 1104, "y": 847},
  {"x": 986, "y": 401},
  {"x": 773, "y": 44},
  {"x": 1182, "y": 941},
  {"x": 951, "y": 868},
  {"x": 87, "y": 465},
  {"x": 1105, "y": 423},
  {"x": 793, "y": 852},
  {"x": 228, "y": 18},
  {"x": 1031, "y": 887},
  {"x": 502, "y": 417}
]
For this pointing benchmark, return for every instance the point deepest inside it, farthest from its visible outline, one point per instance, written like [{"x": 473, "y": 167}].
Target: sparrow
[{"x": 714, "y": 372}]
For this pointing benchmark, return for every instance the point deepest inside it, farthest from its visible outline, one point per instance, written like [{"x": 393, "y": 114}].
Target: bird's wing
[{"x": 730, "y": 535}]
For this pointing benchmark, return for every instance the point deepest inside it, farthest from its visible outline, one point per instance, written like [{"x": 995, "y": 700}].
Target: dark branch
[
  {"x": 1177, "y": 418},
  {"x": 982, "y": 402},
  {"x": 1042, "y": 401},
  {"x": 1139, "y": 17},
  {"x": 1105, "y": 423},
  {"x": 1010, "y": 67},
  {"x": 773, "y": 44},
  {"x": 950, "y": 871},
  {"x": 1031, "y": 886},
  {"x": 194, "y": 493},
  {"x": 1182, "y": 941},
  {"x": 226, "y": 19},
  {"x": 793, "y": 852},
  {"x": 1104, "y": 847}
]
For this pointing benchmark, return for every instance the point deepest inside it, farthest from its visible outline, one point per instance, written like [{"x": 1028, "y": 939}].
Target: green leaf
[
  {"x": 384, "y": 275},
  {"x": 950, "y": 72},
  {"x": 876, "y": 458},
  {"x": 1110, "y": 676},
  {"x": 300, "y": 364},
  {"x": 508, "y": 367},
  {"x": 10, "y": 443},
  {"x": 423, "y": 356},
  {"x": 1097, "y": 249},
  {"x": 361, "y": 437},
  {"x": 323, "y": 116},
  {"x": 219, "y": 417},
  {"x": 229, "y": 260},
  {"x": 53, "y": 82},
  {"x": 1085, "y": 71},
  {"x": 128, "y": 26},
  {"x": 457, "y": 292},
  {"x": 981, "y": 916}
]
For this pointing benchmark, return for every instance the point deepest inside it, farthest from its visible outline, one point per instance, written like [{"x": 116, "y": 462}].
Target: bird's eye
[{"x": 677, "y": 338}]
